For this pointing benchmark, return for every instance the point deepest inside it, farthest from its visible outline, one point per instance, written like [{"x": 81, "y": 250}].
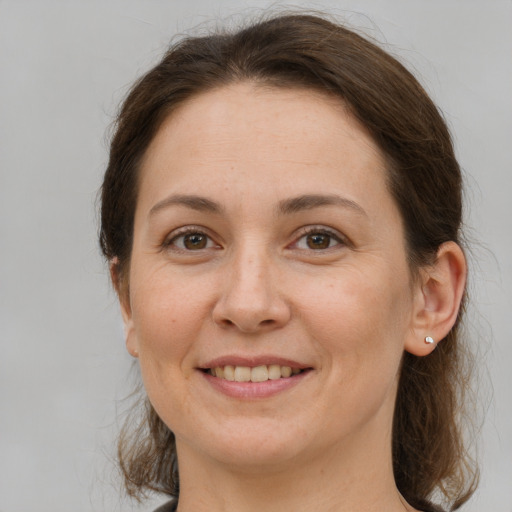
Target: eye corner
[
  {"x": 318, "y": 239},
  {"x": 190, "y": 240}
]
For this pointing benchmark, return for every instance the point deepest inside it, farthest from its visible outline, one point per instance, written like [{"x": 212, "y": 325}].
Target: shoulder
[
  {"x": 431, "y": 508},
  {"x": 170, "y": 506}
]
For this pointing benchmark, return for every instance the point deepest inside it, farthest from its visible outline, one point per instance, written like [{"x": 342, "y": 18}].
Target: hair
[{"x": 430, "y": 459}]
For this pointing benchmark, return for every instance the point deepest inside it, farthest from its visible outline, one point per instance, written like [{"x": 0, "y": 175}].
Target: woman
[{"x": 282, "y": 211}]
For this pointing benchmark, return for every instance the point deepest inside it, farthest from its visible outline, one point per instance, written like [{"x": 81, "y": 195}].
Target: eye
[
  {"x": 318, "y": 239},
  {"x": 191, "y": 240}
]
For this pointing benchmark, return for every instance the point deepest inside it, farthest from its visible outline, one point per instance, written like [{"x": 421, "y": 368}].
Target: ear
[
  {"x": 437, "y": 299},
  {"x": 123, "y": 294}
]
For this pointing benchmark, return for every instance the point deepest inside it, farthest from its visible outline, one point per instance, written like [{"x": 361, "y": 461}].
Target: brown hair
[{"x": 311, "y": 52}]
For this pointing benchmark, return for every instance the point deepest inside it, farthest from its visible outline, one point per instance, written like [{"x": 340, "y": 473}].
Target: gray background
[{"x": 64, "y": 66}]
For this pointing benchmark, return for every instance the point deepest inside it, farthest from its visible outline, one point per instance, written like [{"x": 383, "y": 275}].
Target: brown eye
[
  {"x": 195, "y": 241},
  {"x": 318, "y": 241},
  {"x": 191, "y": 241}
]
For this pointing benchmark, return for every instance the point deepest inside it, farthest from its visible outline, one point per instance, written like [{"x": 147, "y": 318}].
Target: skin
[{"x": 347, "y": 310}]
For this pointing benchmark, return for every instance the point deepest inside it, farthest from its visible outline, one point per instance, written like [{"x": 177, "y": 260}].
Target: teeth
[
  {"x": 274, "y": 372},
  {"x": 229, "y": 372},
  {"x": 286, "y": 371},
  {"x": 242, "y": 374},
  {"x": 259, "y": 374},
  {"x": 256, "y": 374}
]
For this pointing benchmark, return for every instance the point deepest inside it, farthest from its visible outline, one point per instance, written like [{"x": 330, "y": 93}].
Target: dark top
[{"x": 171, "y": 506}]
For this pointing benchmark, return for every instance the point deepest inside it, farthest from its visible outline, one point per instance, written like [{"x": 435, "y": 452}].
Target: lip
[
  {"x": 254, "y": 390},
  {"x": 266, "y": 359}
]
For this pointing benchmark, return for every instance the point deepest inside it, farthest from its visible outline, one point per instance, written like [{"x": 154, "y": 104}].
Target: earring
[{"x": 429, "y": 340}]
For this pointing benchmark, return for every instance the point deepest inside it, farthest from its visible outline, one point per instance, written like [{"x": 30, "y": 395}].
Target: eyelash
[
  {"x": 317, "y": 230},
  {"x": 182, "y": 233},
  {"x": 305, "y": 232}
]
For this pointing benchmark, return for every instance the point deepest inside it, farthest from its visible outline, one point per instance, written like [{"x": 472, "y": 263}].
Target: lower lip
[{"x": 254, "y": 390}]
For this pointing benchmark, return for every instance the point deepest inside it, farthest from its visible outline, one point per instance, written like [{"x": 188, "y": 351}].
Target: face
[{"x": 269, "y": 293}]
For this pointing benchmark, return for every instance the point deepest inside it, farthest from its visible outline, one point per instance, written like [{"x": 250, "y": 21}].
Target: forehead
[{"x": 241, "y": 130}]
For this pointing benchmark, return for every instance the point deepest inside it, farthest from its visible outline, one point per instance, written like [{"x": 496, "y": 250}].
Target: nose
[{"x": 250, "y": 298}]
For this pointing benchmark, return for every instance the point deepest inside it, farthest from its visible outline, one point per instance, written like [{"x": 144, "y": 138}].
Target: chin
[{"x": 250, "y": 444}]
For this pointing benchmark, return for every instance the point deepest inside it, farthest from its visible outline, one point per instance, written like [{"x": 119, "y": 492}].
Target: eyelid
[
  {"x": 302, "y": 232},
  {"x": 309, "y": 230},
  {"x": 183, "y": 231}
]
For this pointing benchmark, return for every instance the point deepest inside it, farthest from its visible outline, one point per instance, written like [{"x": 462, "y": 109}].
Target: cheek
[
  {"x": 359, "y": 319},
  {"x": 167, "y": 312},
  {"x": 362, "y": 300},
  {"x": 166, "y": 324}
]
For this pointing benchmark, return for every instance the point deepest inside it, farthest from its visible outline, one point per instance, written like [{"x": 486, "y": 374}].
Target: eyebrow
[
  {"x": 285, "y": 207},
  {"x": 310, "y": 201},
  {"x": 199, "y": 203}
]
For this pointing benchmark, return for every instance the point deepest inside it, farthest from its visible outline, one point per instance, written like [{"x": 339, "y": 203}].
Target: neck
[{"x": 340, "y": 480}]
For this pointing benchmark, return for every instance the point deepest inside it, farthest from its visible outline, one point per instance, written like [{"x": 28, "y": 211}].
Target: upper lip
[{"x": 252, "y": 361}]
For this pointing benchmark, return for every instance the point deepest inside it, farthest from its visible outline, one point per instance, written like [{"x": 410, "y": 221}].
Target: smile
[{"x": 260, "y": 373}]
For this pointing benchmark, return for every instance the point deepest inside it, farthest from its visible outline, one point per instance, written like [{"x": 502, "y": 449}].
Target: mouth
[
  {"x": 261, "y": 373},
  {"x": 254, "y": 378}
]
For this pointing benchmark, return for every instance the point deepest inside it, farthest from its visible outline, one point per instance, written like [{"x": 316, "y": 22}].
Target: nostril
[{"x": 227, "y": 323}]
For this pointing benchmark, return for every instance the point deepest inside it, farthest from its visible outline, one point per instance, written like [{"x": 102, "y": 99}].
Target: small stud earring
[{"x": 429, "y": 340}]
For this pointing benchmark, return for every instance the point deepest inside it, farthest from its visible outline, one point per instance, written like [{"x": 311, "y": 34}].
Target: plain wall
[{"x": 64, "y": 66}]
